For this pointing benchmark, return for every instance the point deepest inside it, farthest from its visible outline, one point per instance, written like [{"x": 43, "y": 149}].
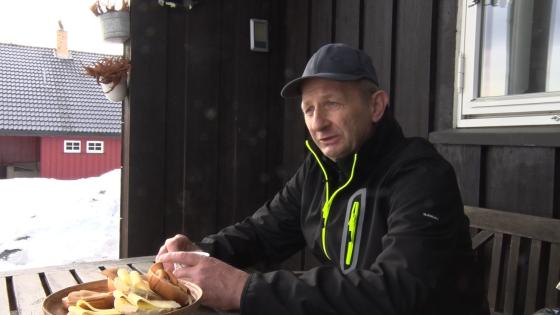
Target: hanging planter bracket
[{"x": 186, "y": 4}]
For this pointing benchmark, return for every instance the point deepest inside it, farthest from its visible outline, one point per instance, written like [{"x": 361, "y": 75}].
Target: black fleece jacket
[{"x": 402, "y": 212}]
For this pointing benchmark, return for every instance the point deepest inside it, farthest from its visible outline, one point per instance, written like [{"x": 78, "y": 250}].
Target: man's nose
[{"x": 319, "y": 121}]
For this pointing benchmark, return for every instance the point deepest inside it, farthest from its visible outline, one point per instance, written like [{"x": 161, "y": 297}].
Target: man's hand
[
  {"x": 176, "y": 244},
  {"x": 222, "y": 284}
]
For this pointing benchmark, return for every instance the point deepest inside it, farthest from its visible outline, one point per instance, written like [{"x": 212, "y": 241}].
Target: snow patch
[{"x": 45, "y": 222}]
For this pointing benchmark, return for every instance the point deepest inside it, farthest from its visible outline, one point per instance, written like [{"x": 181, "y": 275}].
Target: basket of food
[{"x": 127, "y": 292}]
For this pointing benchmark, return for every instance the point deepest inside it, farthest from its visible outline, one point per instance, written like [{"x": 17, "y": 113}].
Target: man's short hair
[{"x": 367, "y": 88}]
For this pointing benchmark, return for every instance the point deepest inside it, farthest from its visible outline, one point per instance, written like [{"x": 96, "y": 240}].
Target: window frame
[
  {"x": 93, "y": 151},
  {"x": 66, "y": 150},
  {"x": 530, "y": 109}
]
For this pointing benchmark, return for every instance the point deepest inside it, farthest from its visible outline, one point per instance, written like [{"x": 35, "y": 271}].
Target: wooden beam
[
  {"x": 544, "y": 229},
  {"x": 144, "y": 133}
]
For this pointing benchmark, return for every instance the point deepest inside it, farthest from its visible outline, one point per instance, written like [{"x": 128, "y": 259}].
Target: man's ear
[{"x": 378, "y": 105}]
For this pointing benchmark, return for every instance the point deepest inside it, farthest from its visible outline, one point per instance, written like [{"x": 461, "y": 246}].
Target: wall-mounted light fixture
[{"x": 186, "y": 4}]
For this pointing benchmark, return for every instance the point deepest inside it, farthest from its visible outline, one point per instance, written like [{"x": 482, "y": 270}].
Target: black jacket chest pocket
[{"x": 351, "y": 235}]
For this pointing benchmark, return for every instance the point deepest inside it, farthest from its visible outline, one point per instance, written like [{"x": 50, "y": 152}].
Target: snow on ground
[{"x": 46, "y": 222}]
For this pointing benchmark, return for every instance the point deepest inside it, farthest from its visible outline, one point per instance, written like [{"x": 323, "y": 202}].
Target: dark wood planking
[
  {"x": 202, "y": 101},
  {"x": 527, "y": 279},
  {"x": 511, "y": 275},
  {"x": 445, "y": 64},
  {"x": 377, "y": 38},
  {"x": 29, "y": 293},
  {"x": 320, "y": 25},
  {"x": 532, "y": 136},
  {"x": 533, "y": 227},
  {"x": 4, "y": 300},
  {"x": 532, "y": 277},
  {"x": 59, "y": 279},
  {"x": 275, "y": 107},
  {"x": 347, "y": 22},
  {"x": 553, "y": 276},
  {"x": 251, "y": 111},
  {"x": 146, "y": 128},
  {"x": 296, "y": 37},
  {"x": 466, "y": 162},
  {"x": 494, "y": 270},
  {"x": 175, "y": 137},
  {"x": 227, "y": 116},
  {"x": 412, "y": 72},
  {"x": 519, "y": 179},
  {"x": 480, "y": 238},
  {"x": 295, "y": 61}
]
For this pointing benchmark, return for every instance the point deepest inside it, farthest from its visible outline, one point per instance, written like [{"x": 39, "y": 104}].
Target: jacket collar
[{"x": 386, "y": 136}]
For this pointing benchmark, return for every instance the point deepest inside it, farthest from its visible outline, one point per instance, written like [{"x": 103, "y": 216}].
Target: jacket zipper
[
  {"x": 352, "y": 230},
  {"x": 329, "y": 199}
]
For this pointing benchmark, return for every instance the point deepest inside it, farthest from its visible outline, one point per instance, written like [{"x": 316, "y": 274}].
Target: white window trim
[
  {"x": 510, "y": 110},
  {"x": 88, "y": 150},
  {"x": 72, "y": 151}
]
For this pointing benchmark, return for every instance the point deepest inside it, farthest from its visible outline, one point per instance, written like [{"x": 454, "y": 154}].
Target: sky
[
  {"x": 47, "y": 222},
  {"x": 35, "y": 22}
]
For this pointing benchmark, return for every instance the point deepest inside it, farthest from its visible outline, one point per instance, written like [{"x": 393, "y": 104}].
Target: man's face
[{"x": 337, "y": 116}]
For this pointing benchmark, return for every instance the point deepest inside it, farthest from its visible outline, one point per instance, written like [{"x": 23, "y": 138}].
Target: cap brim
[{"x": 293, "y": 88}]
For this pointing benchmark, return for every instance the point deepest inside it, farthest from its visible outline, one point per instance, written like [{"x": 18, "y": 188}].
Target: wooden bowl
[{"x": 53, "y": 303}]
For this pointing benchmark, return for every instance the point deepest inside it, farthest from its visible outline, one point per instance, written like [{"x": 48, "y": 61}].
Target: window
[
  {"x": 508, "y": 64},
  {"x": 72, "y": 146},
  {"x": 94, "y": 147}
]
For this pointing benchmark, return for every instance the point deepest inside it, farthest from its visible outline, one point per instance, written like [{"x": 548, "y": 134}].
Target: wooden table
[{"x": 23, "y": 291}]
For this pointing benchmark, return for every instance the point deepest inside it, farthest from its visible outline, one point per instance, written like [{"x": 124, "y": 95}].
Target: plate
[{"x": 53, "y": 303}]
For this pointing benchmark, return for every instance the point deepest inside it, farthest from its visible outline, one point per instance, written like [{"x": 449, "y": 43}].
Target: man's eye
[
  {"x": 308, "y": 111},
  {"x": 331, "y": 104}
]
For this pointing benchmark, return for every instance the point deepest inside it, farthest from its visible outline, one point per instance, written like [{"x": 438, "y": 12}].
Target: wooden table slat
[
  {"x": 29, "y": 294},
  {"x": 89, "y": 273},
  {"x": 60, "y": 279},
  {"x": 118, "y": 265},
  {"x": 4, "y": 300},
  {"x": 143, "y": 267}
]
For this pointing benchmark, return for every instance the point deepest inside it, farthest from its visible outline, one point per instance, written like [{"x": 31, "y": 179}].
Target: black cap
[{"x": 334, "y": 62}]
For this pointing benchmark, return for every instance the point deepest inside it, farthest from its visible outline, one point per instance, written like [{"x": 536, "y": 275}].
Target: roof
[{"x": 43, "y": 94}]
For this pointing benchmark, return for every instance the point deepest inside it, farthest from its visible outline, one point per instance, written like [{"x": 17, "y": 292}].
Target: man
[{"x": 381, "y": 212}]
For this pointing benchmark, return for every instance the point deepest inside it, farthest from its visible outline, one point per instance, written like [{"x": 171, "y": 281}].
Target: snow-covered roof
[{"x": 43, "y": 94}]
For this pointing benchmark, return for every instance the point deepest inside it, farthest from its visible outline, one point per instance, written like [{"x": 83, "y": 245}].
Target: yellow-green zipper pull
[{"x": 352, "y": 222}]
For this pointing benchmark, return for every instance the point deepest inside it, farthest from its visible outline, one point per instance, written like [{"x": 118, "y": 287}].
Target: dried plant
[
  {"x": 109, "y": 70},
  {"x": 99, "y": 8}
]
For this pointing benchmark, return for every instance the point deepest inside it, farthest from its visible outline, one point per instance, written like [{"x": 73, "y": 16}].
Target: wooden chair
[{"x": 521, "y": 258}]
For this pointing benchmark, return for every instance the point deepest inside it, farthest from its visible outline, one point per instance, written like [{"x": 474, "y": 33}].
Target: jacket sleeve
[
  {"x": 271, "y": 234},
  {"x": 424, "y": 219}
]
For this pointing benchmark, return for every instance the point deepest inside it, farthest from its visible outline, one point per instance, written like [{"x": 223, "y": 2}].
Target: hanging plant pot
[
  {"x": 116, "y": 93},
  {"x": 115, "y": 26}
]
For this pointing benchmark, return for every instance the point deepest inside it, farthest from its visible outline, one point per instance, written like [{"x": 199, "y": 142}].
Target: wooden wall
[
  {"x": 412, "y": 44},
  {"x": 203, "y": 131},
  {"x": 208, "y": 139}
]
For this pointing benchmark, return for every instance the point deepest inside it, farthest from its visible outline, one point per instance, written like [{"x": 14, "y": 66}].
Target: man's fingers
[
  {"x": 184, "y": 273},
  {"x": 177, "y": 243},
  {"x": 185, "y": 258},
  {"x": 162, "y": 250}
]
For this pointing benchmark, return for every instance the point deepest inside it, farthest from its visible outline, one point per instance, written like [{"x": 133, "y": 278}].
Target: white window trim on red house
[
  {"x": 96, "y": 147},
  {"x": 529, "y": 109},
  {"x": 71, "y": 149}
]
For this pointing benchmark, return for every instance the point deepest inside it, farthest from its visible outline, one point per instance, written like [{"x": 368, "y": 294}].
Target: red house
[{"x": 54, "y": 120}]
